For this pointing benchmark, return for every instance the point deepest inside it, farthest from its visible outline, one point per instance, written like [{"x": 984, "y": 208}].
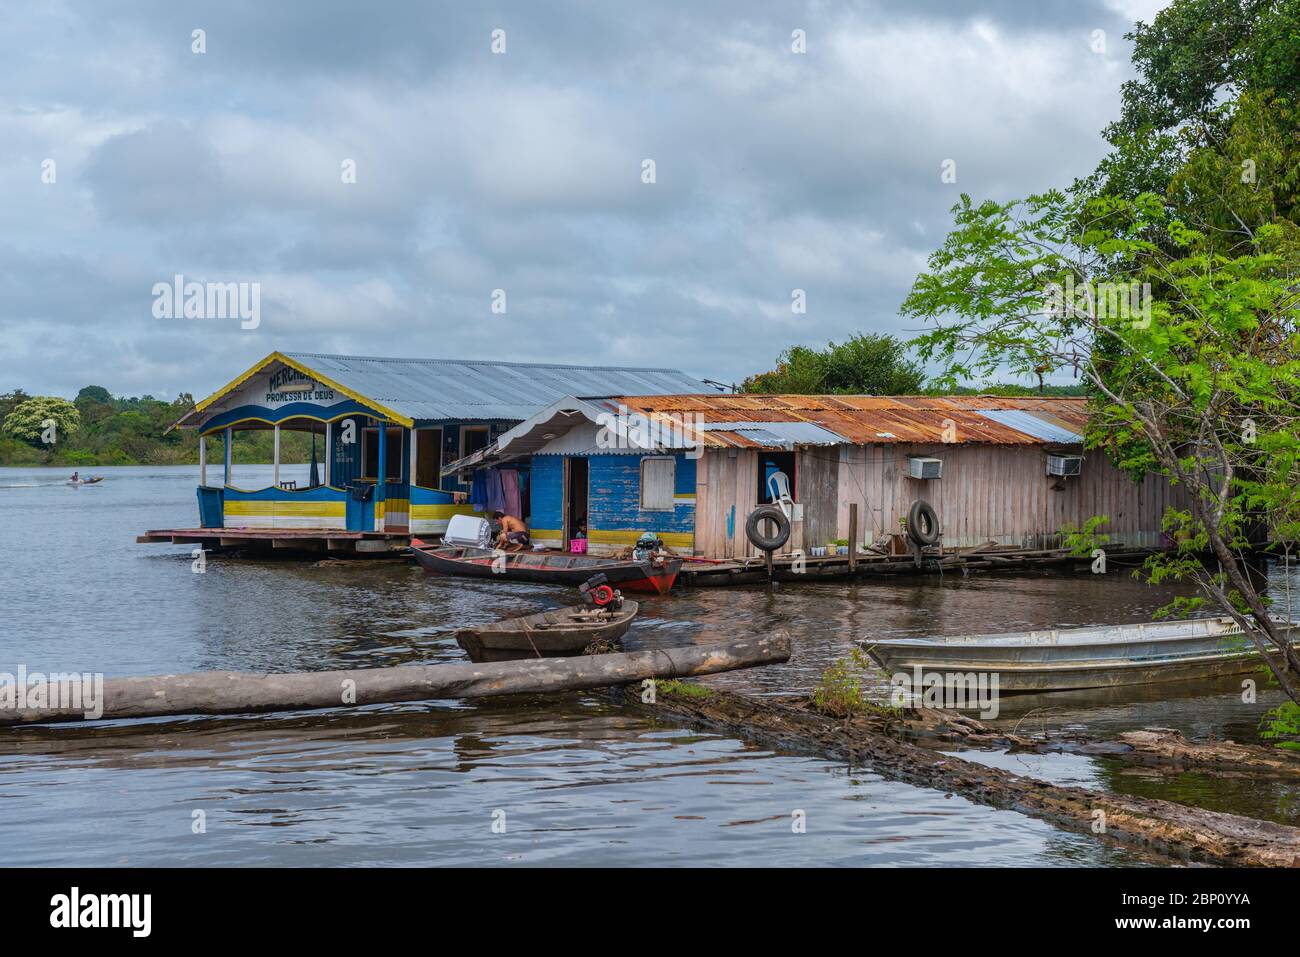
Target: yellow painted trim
[
  {"x": 435, "y": 513},
  {"x": 395, "y": 506},
  {"x": 296, "y": 509},
  {"x": 544, "y": 533},
  {"x": 628, "y": 537},
  {"x": 305, "y": 370}
]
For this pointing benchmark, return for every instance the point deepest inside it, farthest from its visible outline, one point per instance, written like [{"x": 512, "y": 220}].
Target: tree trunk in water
[{"x": 232, "y": 692}]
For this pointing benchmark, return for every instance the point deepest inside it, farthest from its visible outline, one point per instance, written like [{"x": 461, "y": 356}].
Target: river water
[{"x": 569, "y": 779}]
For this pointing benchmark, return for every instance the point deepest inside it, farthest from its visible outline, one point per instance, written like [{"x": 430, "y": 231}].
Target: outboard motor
[
  {"x": 647, "y": 548},
  {"x": 597, "y": 591}
]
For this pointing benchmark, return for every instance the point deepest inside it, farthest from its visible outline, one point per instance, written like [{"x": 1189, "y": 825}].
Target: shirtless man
[{"x": 514, "y": 533}]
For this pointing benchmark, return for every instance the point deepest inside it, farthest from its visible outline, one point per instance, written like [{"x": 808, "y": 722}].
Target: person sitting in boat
[
  {"x": 514, "y": 533},
  {"x": 76, "y": 477}
]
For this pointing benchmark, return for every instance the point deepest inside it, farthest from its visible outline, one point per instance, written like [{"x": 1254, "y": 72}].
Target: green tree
[
  {"x": 1195, "y": 377},
  {"x": 1195, "y": 56},
  {"x": 94, "y": 394},
  {"x": 28, "y": 421},
  {"x": 862, "y": 365}
]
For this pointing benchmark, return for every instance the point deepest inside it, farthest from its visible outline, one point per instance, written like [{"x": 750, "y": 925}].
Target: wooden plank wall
[{"x": 987, "y": 493}]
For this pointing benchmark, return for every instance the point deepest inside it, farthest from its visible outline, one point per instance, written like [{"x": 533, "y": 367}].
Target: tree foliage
[
  {"x": 43, "y": 420},
  {"x": 126, "y": 431},
  {"x": 861, "y": 365}
]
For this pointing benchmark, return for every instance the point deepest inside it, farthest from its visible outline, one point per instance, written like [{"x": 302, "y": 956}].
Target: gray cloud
[{"x": 522, "y": 172}]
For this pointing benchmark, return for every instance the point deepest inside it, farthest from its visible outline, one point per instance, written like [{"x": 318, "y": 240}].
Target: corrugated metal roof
[
  {"x": 870, "y": 419},
  {"x": 779, "y": 434},
  {"x": 1033, "y": 423},
  {"x": 473, "y": 389}
]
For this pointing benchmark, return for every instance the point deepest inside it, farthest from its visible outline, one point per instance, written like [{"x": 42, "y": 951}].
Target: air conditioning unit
[
  {"x": 1064, "y": 464},
  {"x": 919, "y": 468}
]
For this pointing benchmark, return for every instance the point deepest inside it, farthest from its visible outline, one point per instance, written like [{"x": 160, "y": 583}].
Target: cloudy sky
[{"x": 519, "y": 171}]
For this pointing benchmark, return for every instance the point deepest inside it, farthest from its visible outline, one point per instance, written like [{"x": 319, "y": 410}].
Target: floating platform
[
  {"x": 788, "y": 568},
  {"x": 286, "y": 539}
]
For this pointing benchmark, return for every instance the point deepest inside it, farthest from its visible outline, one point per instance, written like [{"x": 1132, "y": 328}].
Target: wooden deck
[
  {"x": 753, "y": 570},
  {"x": 285, "y": 539}
]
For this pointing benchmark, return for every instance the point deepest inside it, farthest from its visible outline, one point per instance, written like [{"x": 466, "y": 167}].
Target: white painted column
[
  {"x": 230, "y": 437},
  {"x": 414, "y": 445},
  {"x": 276, "y": 480},
  {"x": 203, "y": 461},
  {"x": 329, "y": 453}
]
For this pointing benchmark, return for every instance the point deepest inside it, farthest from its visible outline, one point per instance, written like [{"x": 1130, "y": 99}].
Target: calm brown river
[{"x": 558, "y": 780}]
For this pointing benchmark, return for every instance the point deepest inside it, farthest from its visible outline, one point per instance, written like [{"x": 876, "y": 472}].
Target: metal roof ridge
[{"x": 491, "y": 362}]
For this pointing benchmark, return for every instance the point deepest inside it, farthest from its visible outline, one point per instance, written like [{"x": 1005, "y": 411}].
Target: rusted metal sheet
[{"x": 864, "y": 420}]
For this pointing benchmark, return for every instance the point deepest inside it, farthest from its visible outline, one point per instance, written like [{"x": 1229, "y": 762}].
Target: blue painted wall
[
  {"x": 615, "y": 497},
  {"x": 547, "y": 492}
]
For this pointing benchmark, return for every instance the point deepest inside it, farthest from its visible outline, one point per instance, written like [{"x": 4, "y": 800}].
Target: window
[
  {"x": 658, "y": 477},
  {"x": 472, "y": 438}
]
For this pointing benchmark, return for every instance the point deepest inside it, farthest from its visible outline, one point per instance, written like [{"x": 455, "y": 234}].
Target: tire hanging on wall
[
  {"x": 923, "y": 513},
  {"x": 767, "y": 543}
]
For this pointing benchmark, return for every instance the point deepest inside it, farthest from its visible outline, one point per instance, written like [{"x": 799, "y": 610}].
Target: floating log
[
  {"x": 873, "y": 740},
  {"x": 233, "y": 692}
]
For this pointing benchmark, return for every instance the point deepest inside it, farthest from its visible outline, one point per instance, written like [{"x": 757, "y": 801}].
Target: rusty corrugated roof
[{"x": 866, "y": 419}]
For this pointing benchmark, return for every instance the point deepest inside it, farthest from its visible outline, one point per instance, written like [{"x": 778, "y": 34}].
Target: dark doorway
[
  {"x": 575, "y": 500},
  {"x": 770, "y": 463}
]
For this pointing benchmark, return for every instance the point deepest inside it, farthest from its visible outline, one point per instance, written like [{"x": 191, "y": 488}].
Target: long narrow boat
[
  {"x": 1073, "y": 658},
  {"x": 547, "y": 568},
  {"x": 560, "y": 633}
]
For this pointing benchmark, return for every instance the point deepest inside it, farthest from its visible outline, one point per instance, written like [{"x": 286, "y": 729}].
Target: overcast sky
[{"x": 520, "y": 171}]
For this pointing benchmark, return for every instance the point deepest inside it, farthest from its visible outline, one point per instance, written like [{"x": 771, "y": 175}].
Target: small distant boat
[
  {"x": 95, "y": 480},
  {"x": 656, "y": 575},
  {"x": 1074, "y": 658},
  {"x": 561, "y": 633}
]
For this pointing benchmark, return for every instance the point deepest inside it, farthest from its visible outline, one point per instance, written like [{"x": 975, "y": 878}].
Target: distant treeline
[{"x": 97, "y": 428}]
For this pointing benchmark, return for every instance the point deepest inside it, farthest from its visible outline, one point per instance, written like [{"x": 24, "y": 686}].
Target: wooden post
[
  {"x": 232, "y": 692},
  {"x": 203, "y": 461},
  {"x": 853, "y": 537},
  {"x": 229, "y": 438},
  {"x": 329, "y": 453},
  {"x": 382, "y": 477},
  {"x": 275, "y": 456}
]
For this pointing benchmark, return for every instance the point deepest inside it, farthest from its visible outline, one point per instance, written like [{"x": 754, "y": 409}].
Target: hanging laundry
[
  {"x": 478, "y": 497},
  {"x": 510, "y": 490},
  {"x": 496, "y": 498}
]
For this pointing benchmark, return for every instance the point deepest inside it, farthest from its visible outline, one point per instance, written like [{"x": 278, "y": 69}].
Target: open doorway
[
  {"x": 575, "y": 500},
  {"x": 769, "y": 463}
]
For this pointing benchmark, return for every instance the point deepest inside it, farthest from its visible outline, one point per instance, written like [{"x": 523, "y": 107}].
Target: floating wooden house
[
  {"x": 385, "y": 427},
  {"x": 690, "y": 469}
]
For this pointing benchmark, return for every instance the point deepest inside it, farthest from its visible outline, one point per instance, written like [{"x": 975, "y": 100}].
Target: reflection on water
[{"x": 578, "y": 779}]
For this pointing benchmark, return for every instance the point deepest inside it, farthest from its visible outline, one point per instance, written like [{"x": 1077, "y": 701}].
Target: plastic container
[{"x": 578, "y": 546}]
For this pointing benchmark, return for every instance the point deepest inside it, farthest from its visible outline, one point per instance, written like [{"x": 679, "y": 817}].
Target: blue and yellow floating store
[{"x": 385, "y": 428}]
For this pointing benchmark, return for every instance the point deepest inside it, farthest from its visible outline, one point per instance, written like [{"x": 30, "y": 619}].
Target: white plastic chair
[{"x": 778, "y": 487}]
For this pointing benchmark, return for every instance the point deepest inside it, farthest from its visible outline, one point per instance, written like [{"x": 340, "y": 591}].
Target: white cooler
[{"x": 468, "y": 531}]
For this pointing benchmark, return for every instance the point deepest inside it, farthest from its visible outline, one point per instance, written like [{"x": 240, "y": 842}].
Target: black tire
[
  {"x": 767, "y": 543},
  {"x": 923, "y": 514}
]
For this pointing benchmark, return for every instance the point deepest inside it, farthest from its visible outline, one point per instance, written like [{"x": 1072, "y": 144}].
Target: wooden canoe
[
  {"x": 547, "y": 567},
  {"x": 560, "y": 633}
]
